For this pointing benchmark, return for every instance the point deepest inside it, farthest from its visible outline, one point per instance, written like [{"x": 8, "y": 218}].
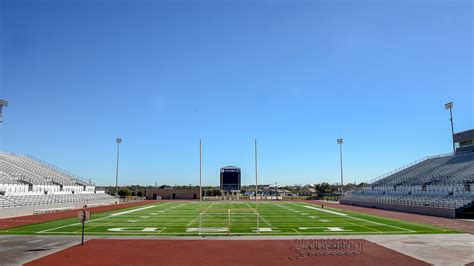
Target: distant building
[
  {"x": 308, "y": 191},
  {"x": 268, "y": 190},
  {"x": 172, "y": 193}
]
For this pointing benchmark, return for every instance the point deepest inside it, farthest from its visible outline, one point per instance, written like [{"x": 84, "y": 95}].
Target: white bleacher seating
[
  {"x": 445, "y": 181},
  {"x": 26, "y": 181}
]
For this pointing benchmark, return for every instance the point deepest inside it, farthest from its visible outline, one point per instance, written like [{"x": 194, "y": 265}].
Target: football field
[{"x": 229, "y": 218}]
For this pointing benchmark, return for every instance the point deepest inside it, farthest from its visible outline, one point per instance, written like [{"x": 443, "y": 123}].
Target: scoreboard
[{"x": 230, "y": 178}]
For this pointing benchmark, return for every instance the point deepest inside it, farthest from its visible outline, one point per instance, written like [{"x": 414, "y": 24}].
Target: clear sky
[{"x": 296, "y": 75}]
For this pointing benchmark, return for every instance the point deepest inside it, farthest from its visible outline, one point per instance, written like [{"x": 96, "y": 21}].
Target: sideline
[
  {"x": 322, "y": 210},
  {"x": 98, "y": 219},
  {"x": 355, "y": 218},
  {"x": 134, "y": 210}
]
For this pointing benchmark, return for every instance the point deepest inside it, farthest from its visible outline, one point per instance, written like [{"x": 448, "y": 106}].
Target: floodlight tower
[
  {"x": 3, "y": 103},
  {"x": 450, "y": 106},
  {"x": 118, "y": 140},
  {"x": 256, "y": 185},
  {"x": 200, "y": 175},
  {"x": 340, "y": 142},
  {"x": 256, "y": 175}
]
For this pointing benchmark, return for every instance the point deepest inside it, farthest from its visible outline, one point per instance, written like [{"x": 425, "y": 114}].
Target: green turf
[{"x": 185, "y": 218}]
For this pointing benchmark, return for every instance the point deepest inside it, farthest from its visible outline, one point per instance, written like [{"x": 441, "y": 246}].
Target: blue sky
[{"x": 296, "y": 75}]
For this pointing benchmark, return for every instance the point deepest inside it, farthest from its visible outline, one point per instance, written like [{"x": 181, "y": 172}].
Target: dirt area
[
  {"x": 39, "y": 218},
  {"x": 213, "y": 252},
  {"x": 458, "y": 224}
]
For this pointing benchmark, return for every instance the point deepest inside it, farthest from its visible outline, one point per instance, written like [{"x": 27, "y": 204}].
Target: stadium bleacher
[
  {"x": 443, "y": 181},
  {"x": 26, "y": 181}
]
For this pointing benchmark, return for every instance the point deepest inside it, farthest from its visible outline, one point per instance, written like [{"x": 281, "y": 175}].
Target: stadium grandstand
[
  {"x": 29, "y": 185},
  {"x": 440, "y": 185}
]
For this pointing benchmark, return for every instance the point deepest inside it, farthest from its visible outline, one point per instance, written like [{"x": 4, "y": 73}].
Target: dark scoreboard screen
[{"x": 230, "y": 179}]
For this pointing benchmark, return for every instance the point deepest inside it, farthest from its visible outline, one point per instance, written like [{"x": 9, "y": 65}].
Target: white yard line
[
  {"x": 263, "y": 219},
  {"x": 98, "y": 219},
  {"x": 88, "y": 228},
  {"x": 59, "y": 227},
  {"x": 323, "y": 210},
  {"x": 112, "y": 233},
  {"x": 355, "y": 218},
  {"x": 134, "y": 210},
  {"x": 212, "y": 204},
  {"x": 73, "y": 224},
  {"x": 199, "y": 215},
  {"x": 393, "y": 226},
  {"x": 372, "y": 229}
]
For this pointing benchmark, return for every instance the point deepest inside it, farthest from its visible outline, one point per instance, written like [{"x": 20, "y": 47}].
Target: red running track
[{"x": 213, "y": 252}]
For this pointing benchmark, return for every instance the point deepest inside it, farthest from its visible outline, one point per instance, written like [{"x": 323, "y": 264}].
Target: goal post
[{"x": 228, "y": 222}]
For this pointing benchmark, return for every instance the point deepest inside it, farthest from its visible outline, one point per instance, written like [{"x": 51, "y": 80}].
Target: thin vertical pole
[
  {"x": 200, "y": 175},
  {"x": 452, "y": 128},
  {"x": 83, "y": 224},
  {"x": 82, "y": 241},
  {"x": 200, "y": 222},
  {"x": 117, "y": 169},
  {"x": 256, "y": 185},
  {"x": 228, "y": 222},
  {"x": 342, "y": 174},
  {"x": 256, "y": 175}
]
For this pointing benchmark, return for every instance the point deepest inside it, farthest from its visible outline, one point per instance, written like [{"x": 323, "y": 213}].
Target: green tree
[
  {"x": 124, "y": 192},
  {"x": 324, "y": 188}
]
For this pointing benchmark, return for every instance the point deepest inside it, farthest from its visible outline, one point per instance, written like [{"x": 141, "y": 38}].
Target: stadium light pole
[
  {"x": 3, "y": 103},
  {"x": 118, "y": 140},
  {"x": 450, "y": 106},
  {"x": 256, "y": 174},
  {"x": 256, "y": 184},
  {"x": 340, "y": 142},
  {"x": 200, "y": 175}
]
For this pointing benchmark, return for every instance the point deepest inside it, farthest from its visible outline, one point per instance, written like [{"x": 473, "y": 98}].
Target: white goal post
[{"x": 218, "y": 223}]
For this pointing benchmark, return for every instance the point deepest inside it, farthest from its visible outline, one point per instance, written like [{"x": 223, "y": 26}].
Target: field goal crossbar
[{"x": 229, "y": 214}]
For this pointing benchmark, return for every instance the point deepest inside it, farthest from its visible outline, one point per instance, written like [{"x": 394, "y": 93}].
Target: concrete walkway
[{"x": 17, "y": 250}]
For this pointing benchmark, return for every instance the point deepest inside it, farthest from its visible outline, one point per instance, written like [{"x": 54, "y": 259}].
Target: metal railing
[
  {"x": 373, "y": 180},
  {"x": 30, "y": 180},
  {"x": 65, "y": 172}
]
